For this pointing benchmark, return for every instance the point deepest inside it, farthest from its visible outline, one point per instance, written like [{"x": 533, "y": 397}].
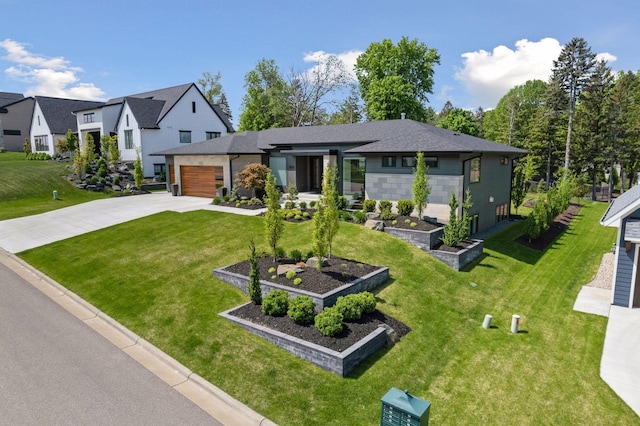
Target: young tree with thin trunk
[
  {"x": 273, "y": 220},
  {"x": 255, "y": 291},
  {"x": 319, "y": 235},
  {"x": 330, "y": 201},
  {"x": 138, "y": 172}
]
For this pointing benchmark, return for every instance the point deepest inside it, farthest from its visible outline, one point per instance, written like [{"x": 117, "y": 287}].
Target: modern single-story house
[
  {"x": 624, "y": 213},
  {"x": 152, "y": 121},
  {"x": 374, "y": 159}
]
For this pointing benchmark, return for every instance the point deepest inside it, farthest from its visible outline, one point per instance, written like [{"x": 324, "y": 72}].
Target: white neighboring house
[
  {"x": 51, "y": 119},
  {"x": 154, "y": 121}
]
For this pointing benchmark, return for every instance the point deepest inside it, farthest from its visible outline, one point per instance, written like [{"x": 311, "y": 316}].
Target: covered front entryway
[
  {"x": 309, "y": 173},
  {"x": 201, "y": 181}
]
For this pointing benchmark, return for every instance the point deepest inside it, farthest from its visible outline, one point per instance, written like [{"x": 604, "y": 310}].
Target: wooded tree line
[{"x": 585, "y": 119}]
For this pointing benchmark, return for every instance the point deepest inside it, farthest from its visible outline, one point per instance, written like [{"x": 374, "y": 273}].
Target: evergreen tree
[
  {"x": 138, "y": 172},
  {"x": 330, "y": 200},
  {"x": 319, "y": 235},
  {"x": 451, "y": 231},
  {"x": 420, "y": 187},
  {"x": 273, "y": 220},
  {"x": 255, "y": 291}
]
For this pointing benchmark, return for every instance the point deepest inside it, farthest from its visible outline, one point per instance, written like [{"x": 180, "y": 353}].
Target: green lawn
[
  {"x": 154, "y": 276},
  {"x": 26, "y": 187}
]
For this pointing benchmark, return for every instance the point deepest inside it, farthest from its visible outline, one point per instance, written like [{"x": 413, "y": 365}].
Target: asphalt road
[{"x": 55, "y": 370}]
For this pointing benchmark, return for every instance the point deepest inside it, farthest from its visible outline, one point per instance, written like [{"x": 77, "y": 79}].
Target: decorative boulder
[{"x": 376, "y": 225}]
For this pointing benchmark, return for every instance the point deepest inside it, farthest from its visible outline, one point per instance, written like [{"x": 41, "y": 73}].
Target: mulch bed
[
  {"x": 352, "y": 332},
  {"x": 560, "y": 223},
  {"x": 420, "y": 225},
  {"x": 246, "y": 206},
  {"x": 337, "y": 273},
  {"x": 461, "y": 246}
]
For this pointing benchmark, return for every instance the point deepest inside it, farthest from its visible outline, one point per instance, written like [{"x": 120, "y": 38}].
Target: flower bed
[{"x": 462, "y": 257}]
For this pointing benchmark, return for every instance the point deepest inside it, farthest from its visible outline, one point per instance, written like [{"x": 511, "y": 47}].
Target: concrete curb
[{"x": 205, "y": 395}]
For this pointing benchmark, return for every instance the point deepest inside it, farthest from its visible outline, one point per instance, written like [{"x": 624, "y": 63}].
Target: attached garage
[{"x": 201, "y": 181}]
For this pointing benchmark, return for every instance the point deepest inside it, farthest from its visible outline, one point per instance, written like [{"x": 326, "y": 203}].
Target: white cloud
[
  {"x": 348, "y": 58},
  {"x": 607, "y": 57},
  {"x": 46, "y": 76},
  {"x": 488, "y": 76}
]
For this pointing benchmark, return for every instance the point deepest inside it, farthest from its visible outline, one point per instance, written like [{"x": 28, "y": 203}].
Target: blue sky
[{"x": 103, "y": 49}]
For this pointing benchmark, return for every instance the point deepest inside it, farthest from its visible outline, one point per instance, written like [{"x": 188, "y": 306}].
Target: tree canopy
[{"x": 396, "y": 78}]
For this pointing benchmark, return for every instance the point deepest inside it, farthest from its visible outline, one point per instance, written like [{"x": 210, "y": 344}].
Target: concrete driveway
[{"x": 28, "y": 232}]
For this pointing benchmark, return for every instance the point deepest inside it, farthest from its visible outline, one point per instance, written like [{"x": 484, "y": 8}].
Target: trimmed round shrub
[
  {"x": 301, "y": 309},
  {"x": 216, "y": 201},
  {"x": 369, "y": 205},
  {"x": 342, "y": 202},
  {"x": 312, "y": 204},
  {"x": 303, "y": 204},
  {"x": 291, "y": 274},
  {"x": 384, "y": 205},
  {"x": 290, "y": 205},
  {"x": 226, "y": 198},
  {"x": 329, "y": 322},
  {"x": 368, "y": 302},
  {"x": 280, "y": 253},
  {"x": 349, "y": 306},
  {"x": 297, "y": 281},
  {"x": 405, "y": 207},
  {"x": 275, "y": 303}
]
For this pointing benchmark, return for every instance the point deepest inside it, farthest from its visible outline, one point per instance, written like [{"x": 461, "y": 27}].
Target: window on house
[
  {"x": 502, "y": 212},
  {"x": 185, "y": 136},
  {"x": 127, "y": 119},
  {"x": 388, "y": 161},
  {"x": 160, "y": 171},
  {"x": 193, "y": 107},
  {"x": 89, "y": 118},
  {"x": 42, "y": 143},
  {"x": 408, "y": 161},
  {"x": 474, "y": 170},
  {"x": 128, "y": 139},
  {"x": 473, "y": 224},
  {"x": 504, "y": 161},
  {"x": 213, "y": 135},
  {"x": 431, "y": 162},
  {"x": 38, "y": 120}
]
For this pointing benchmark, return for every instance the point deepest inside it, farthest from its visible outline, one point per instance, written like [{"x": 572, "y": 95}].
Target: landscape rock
[
  {"x": 376, "y": 225},
  {"x": 312, "y": 262}
]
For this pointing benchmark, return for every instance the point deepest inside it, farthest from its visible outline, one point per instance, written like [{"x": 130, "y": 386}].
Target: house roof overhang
[{"x": 622, "y": 207}]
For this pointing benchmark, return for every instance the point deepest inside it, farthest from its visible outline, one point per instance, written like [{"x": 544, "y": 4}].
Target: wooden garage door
[
  {"x": 201, "y": 181},
  {"x": 172, "y": 173}
]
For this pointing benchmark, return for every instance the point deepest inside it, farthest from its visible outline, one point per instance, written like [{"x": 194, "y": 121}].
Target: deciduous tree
[
  {"x": 265, "y": 103},
  {"x": 273, "y": 220}
]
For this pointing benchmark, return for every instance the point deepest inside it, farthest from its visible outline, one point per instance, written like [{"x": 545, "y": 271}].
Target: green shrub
[
  {"x": 342, "y": 202},
  {"x": 275, "y": 303},
  {"x": 367, "y": 301},
  {"x": 301, "y": 309},
  {"x": 238, "y": 204},
  {"x": 298, "y": 217},
  {"x": 291, "y": 274},
  {"x": 413, "y": 224},
  {"x": 346, "y": 216},
  {"x": 303, "y": 204},
  {"x": 226, "y": 198},
  {"x": 272, "y": 270},
  {"x": 297, "y": 281},
  {"x": 407, "y": 221},
  {"x": 394, "y": 222},
  {"x": 405, "y": 207},
  {"x": 296, "y": 255},
  {"x": 306, "y": 214},
  {"x": 216, "y": 201},
  {"x": 255, "y": 202},
  {"x": 116, "y": 180},
  {"x": 349, "y": 306},
  {"x": 384, "y": 205},
  {"x": 289, "y": 205},
  {"x": 307, "y": 255},
  {"x": 312, "y": 204},
  {"x": 94, "y": 180},
  {"x": 280, "y": 253},
  {"x": 369, "y": 205},
  {"x": 359, "y": 216},
  {"x": 329, "y": 321}
]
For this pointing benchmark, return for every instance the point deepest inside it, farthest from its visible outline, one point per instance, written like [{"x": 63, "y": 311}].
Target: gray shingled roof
[
  {"x": 374, "y": 137},
  {"x": 622, "y": 206},
  {"x": 7, "y": 98},
  {"x": 170, "y": 95},
  {"x": 232, "y": 143},
  {"x": 146, "y": 111},
  {"x": 58, "y": 112}
]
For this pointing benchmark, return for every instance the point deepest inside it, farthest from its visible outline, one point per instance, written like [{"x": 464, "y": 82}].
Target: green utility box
[{"x": 402, "y": 408}]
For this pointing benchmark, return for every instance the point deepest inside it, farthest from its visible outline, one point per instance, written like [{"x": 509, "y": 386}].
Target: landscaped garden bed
[
  {"x": 460, "y": 256},
  {"x": 339, "y": 354},
  {"x": 557, "y": 227},
  {"x": 337, "y": 278},
  {"x": 423, "y": 234}
]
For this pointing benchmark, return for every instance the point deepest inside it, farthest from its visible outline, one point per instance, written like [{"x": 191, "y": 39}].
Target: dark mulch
[
  {"x": 352, "y": 332},
  {"x": 337, "y": 273},
  {"x": 246, "y": 206},
  {"x": 420, "y": 225},
  {"x": 560, "y": 223},
  {"x": 461, "y": 246}
]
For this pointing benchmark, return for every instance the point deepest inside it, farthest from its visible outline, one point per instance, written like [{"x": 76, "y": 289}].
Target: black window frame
[
  {"x": 406, "y": 163},
  {"x": 393, "y": 159},
  {"x": 184, "y": 132}
]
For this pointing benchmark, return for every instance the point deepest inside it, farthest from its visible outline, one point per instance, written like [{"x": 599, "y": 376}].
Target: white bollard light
[
  {"x": 487, "y": 321},
  {"x": 515, "y": 323}
]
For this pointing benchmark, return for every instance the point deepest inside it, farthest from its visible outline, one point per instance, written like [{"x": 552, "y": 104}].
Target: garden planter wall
[
  {"x": 340, "y": 363},
  {"x": 462, "y": 258},
  {"x": 366, "y": 283},
  {"x": 426, "y": 240}
]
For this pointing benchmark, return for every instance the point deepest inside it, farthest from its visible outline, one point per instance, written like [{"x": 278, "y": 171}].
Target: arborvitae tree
[
  {"x": 465, "y": 220},
  {"x": 319, "y": 235},
  {"x": 79, "y": 162},
  {"x": 255, "y": 291},
  {"x": 451, "y": 231},
  {"x": 330, "y": 201},
  {"x": 420, "y": 187},
  {"x": 521, "y": 175},
  {"x": 273, "y": 220},
  {"x": 114, "y": 152},
  {"x": 138, "y": 172},
  {"x": 26, "y": 146}
]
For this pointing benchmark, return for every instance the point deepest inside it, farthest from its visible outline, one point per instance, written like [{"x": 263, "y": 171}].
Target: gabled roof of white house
[
  {"x": 146, "y": 111},
  {"x": 58, "y": 112},
  {"x": 233, "y": 143},
  {"x": 370, "y": 137},
  {"x": 622, "y": 207},
  {"x": 170, "y": 96}
]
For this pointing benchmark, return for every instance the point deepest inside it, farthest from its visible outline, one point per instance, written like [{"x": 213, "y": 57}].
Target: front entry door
[
  {"x": 636, "y": 285},
  {"x": 315, "y": 171}
]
